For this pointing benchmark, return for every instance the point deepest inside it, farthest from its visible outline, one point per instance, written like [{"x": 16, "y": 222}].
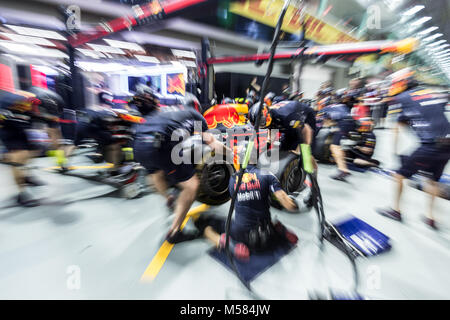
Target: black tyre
[
  {"x": 214, "y": 180},
  {"x": 293, "y": 178}
]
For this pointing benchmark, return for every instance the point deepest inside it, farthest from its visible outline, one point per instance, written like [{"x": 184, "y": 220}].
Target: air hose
[{"x": 251, "y": 143}]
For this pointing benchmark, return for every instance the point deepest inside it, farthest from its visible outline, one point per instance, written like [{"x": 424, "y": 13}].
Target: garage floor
[{"x": 97, "y": 247}]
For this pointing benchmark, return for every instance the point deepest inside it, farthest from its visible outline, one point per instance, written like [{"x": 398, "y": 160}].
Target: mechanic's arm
[
  {"x": 216, "y": 145},
  {"x": 286, "y": 201},
  {"x": 308, "y": 134}
]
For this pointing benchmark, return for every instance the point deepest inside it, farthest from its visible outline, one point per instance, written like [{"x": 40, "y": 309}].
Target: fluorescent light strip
[
  {"x": 413, "y": 10},
  {"x": 420, "y": 21},
  {"x": 36, "y": 32},
  {"x": 184, "y": 54},
  {"x": 34, "y": 50},
  {"x": 91, "y": 53},
  {"x": 107, "y": 49},
  {"x": 26, "y": 39},
  {"x": 427, "y": 31},
  {"x": 434, "y": 36},
  {"x": 147, "y": 59},
  {"x": 125, "y": 45},
  {"x": 190, "y": 64},
  {"x": 436, "y": 43}
]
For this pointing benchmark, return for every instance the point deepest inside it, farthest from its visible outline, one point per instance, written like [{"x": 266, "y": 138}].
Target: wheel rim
[{"x": 217, "y": 178}]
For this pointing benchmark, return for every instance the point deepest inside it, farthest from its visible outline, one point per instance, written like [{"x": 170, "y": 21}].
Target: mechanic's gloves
[
  {"x": 128, "y": 154},
  {"x": 296, "y": 206},
  {"x": 59, "y": 156},
  {"x": 307, "y": 158}
]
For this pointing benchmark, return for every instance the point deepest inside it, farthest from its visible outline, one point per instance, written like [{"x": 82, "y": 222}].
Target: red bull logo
[
  {"x": 225, "y": 114},
  {"x": 175, "y": 84}
]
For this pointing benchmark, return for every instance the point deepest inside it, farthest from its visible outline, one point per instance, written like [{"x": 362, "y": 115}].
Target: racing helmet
[
  {"x": 191, "y": 101},
  {"x": 47, "y": 105},
  {"x": 365, "y": 125},
  {"x": 265, "y": 117},
  {"x": 339, "y": 94},
  {"x": 227, "y": 101},
  {"x": 298, "y": 95},
  {"x": 106, "y": 97},
  {"x": 145, "y": 99},
  {"x": 268, "y": 99},
  {"x": 401, "y": 81}
]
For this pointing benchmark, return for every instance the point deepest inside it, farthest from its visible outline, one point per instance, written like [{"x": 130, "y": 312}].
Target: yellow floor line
[
  {"x": 160, "y": 258},
  {"x": 104, "y": 166}
]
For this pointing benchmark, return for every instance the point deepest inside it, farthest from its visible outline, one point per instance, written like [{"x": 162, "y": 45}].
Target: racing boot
[
  {"x": 341, "y": 176},
  {"x": 34, "y": 182},
  {"x": 390, "y": 213},
  {"x": 430, "y": 222},
  {"x": 239, "y": 250},
  {"x": 285, "y": 233},
  {"x": 24, "y": 199}
]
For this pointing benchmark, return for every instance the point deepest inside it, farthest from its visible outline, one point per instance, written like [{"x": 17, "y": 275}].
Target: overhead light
[
  {"x": 190, "y": 64},
  {"x": 427, "y": 31},
  {"x": 184, "y": 54},
  {"x": 91, "y": 53},
  {"x": 46, "y": 70},
  {"x": 393, "y": 4},
  {"x": 125, "y": 45},
  {"x": 36, "y": 32},
  {"x": 413, "y": 10},
  {"x": 107, "y": 49},
  {"x": 436, "y": 43},
  {"x": 26, "y": 39},
  {"x": 147, "y": 59},
  {"x": 437, "y": 49},
  {"x": 420, "y": 21},
  {"x": 31, "y": 49},
  {"x": 99, "y": 66},
  {"x": 431, "y": 38}
]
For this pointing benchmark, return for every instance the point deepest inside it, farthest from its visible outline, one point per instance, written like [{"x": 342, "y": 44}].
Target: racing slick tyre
[
  {"x": 322, "y": 146},
  {"x": 288, "y": 172},
  {"x": 214, "y": 180}
]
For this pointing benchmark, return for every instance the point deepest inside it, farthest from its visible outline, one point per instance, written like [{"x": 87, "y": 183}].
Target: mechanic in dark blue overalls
[
  {"x": 156, "y": 145},
  {"x": 96, "y": 122},
  {"x": 18, "y": 112},
  {"x": 338, "y": 114},
  {"x": 424, "y": 112},
  {"x": 252, "y": 229},
  {"x": 296, "y": 122}
]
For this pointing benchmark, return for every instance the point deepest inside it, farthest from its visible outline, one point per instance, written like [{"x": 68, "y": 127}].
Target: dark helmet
[
  {"x": 298, "y": 95},
  {"x": 401, "y": 81},
  {"x": 227, "y": 101},
  {"x": 48, "y": 105},
  {"x": 326, "y": 92},
  {"x": 266, "y": 118},
  {"x": 191, "y": 101},
  {"x": 339, "y": 94},
  {"x": 106, "y": 97},
  {"x": 145, "y": 99}
]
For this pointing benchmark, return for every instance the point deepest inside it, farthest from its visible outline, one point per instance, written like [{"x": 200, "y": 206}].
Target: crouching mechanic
[
  {"x": 154, "y": 148},
  {"x": 252, "y": 229},
  {"x": 424, "y": 112},
  {"x": 19, "y": 112}
]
